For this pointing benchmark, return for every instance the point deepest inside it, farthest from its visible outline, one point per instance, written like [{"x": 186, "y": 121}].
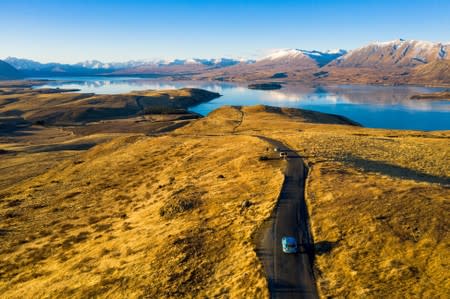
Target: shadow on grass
[
  {"x": 63, "y": 147},
  {"x": 4, "y": 231},
  {"x": 324, "y": 247},
  {"x": 16, "y": 131},
  {"x": 395, "y": 171}
]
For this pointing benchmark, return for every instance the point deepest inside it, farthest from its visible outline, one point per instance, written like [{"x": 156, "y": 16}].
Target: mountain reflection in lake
[{"x": 369, "y": 105}]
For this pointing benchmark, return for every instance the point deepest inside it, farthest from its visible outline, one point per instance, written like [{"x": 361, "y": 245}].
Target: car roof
[{"x": 289, "y": 239}]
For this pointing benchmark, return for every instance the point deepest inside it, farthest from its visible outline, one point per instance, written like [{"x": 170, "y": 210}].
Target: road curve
[{"x": 289, "y": 275}]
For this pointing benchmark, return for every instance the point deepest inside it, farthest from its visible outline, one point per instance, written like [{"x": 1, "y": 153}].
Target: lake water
[{"x": 372, "y": 106}]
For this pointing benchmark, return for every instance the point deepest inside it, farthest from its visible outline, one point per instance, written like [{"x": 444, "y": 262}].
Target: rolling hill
[{"x": 106, "y": 214}]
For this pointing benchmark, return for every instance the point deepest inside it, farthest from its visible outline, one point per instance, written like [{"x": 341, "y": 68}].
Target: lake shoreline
[
  {"x": 373, "y": 106},
  {"x": 445, "y": 95}
]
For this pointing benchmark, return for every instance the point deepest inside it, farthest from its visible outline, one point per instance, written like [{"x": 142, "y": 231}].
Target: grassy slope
[
  {"x": 30, "y": 148},
  {"x": 75, "y": 108},
  {"x": 141, "y": 216},
  {"x": 377, "y": 199},
  {"x": 152, "y": 216}
]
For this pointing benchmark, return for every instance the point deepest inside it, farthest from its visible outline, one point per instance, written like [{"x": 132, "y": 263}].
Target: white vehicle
[{"x": 283, "y": 155}]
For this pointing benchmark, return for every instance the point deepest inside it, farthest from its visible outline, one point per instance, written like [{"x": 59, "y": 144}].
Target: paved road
[{"x": 290, "y": 275}]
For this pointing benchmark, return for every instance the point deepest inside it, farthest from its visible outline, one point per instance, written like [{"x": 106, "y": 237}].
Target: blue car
[{"x": 289, "y": 244}]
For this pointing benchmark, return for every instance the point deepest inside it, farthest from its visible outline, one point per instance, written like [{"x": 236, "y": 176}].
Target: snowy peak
[
  {"x": 23, "y": 64},
  {"x": 400, "y": 52},
  {"x": 337, "y": 51},
  {"x": 284, "y": 54},
  {"x": 181, "y": 62},
  {"x": 317, "y": 57},
  {"x": 96, "y": 66}
]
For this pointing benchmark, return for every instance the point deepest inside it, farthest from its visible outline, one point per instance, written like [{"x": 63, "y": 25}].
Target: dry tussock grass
[
  {"x": 378, "y": 201},
  {"x": 31, "y": 143},
  {"x": 47, "y": 107},
  {"x": 93, "y": 226},
  {"x": 163, "y": 217},
  {"x": 386, "y": 236}
]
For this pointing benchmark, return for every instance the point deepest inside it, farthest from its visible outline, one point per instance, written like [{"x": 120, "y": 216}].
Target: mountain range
[
  {"x": 8, "y": 72},
  {"x": 397, "y": 53},
  {"x": 393, "y": 62},
  {"x": 94, "y": 67}
]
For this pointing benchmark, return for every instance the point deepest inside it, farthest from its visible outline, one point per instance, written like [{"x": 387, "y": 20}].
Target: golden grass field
[
  {"x": 157, "y": 217},
  {"x": 378, "y": 200},
  {"x": 41, "y": 127},
  {"x": 138, "y": 216}
]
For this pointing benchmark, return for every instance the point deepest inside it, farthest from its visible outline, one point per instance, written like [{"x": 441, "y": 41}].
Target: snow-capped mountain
[
  {"x": 28, "y": 64},
  {"x": 283, "y": 54},
  {"x": 180, "y": 66},
  {"x": 25, "y": 64},
  {"x": 90, "y": 67},
  {"x": 396, "y": 53},
  {"x": 278, "y": 64},
  {"x": 301, "y": 57},
  {"x": 33, "y": 68},
  {"x": 378, "y": 62},
  {"x": 96, "y": 64}
]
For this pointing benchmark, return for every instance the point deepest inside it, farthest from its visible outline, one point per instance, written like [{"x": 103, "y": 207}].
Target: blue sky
[{"x": 75, "y": 30}]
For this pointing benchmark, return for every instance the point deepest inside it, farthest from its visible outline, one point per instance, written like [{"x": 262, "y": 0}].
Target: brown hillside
[
  {"x": 398, "y": 53},
  {"x": 437, "y": 72},
  {"x": 51, "y": 107},
  {"x": 177, "y": 215}
]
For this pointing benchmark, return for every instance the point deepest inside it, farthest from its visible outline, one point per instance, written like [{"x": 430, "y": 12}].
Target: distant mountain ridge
[
  {"x": 393, "y": 62},
  {"x": 396, "y": 53},
  {"x": 320, "y": 58},
  {"x": 281, "y": 63},
  {"x": 96, "y": 67},
  {"x": 33, "y": 68},
  {"x": 8, "y": 72}
]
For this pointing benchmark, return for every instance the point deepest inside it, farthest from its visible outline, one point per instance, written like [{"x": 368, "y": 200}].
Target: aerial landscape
[{"x": 226, "y": 149}]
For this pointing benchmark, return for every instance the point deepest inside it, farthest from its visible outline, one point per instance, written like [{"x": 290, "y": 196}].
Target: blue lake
[{"x": 372, "y": 106}]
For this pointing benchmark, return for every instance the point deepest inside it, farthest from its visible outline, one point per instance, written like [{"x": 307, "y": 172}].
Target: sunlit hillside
[{"x": 178, "y": 215}]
